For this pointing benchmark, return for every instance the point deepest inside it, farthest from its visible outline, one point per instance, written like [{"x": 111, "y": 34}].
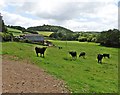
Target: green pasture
[
  {"x": 15, "y": 32},
  {"x": 44, "y": 33},
  {"x": 80, "y": 75}
]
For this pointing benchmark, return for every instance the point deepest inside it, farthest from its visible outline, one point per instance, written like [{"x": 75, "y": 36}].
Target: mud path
[{"x": 22, "y": 77}]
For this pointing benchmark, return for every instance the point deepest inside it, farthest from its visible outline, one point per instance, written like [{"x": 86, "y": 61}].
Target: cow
[
  {"x": 82, "y": 54},
  {"x": 73, "y": 54},
  {"x": 40, "y": 50},
  {"x": 106, "y": 55},
  {"x": 99, "y": 57}
]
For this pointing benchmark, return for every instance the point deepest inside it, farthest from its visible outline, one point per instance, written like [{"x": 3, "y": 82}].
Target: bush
[
  {"x": 93, "y": 39},
  {"x": 6, "y": 36},
  {"x": 82, "y": 39}
]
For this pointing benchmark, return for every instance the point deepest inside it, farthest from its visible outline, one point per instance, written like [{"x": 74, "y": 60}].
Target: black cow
[
  {"x": 106, "y": 55},
  {"x": 82, "y": 54},
  {"x": 73, "y": 54},
  {"x": 40, "y": 50},
  {"x": 99, "y": 57}
]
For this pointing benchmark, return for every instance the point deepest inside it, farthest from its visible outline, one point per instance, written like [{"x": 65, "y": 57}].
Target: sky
[{"x": 76, "y": 15}]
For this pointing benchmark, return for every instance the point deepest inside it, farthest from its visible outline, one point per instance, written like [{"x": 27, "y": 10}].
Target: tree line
[
  {"x": 75, "y": 36},
  {"x": 109, "y": 38}
]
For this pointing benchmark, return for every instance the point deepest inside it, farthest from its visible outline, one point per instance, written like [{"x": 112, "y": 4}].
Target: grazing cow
[
  {"x": 40, "y": 50},
  {"x": 99, "y": 57},
  {"x": 82, "y": 54},
  {"x": 106, "y": 55},
  {"x": 73, "y": 54}
]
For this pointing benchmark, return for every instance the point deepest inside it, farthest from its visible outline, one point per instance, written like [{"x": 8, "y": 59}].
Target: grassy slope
[
  {"x": 81, "y": 75},
  {"x": 15, "y": 32},
  {"x": 44, "y": 33}
]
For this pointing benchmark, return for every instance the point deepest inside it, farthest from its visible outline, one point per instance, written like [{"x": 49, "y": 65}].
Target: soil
[{"x": 24, "y": 77}]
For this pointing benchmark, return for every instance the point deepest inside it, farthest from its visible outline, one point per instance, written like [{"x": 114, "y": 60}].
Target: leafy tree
[
  {"x": 54, "y": 35},
  {"x": 82, "y": 39},
  {"x": 109, "y": 38}
]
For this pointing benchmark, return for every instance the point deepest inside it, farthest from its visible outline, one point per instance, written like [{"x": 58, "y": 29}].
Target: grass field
[
  {"x": 81, "y": 75},
  {"x": 44, "y": 33},
  {"x": 15, "y": 32}
]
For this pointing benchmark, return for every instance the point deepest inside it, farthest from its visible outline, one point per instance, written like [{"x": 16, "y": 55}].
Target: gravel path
[{"x": 22, "y": 77}]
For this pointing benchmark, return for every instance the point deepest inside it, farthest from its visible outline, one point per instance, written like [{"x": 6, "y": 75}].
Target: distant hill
[{"x": 50, "y": 28}]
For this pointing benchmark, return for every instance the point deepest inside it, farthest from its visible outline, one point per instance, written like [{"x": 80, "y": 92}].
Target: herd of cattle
[
  {"x": 99, "y": 56},
  {"x": 72, "y": 53}
]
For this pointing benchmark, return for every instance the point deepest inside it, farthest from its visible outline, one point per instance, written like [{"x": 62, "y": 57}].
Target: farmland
[
  {"x": 44, "y": 33},
  {"x": 15, "y": 32},
  {"x": 81, "y": 75}
]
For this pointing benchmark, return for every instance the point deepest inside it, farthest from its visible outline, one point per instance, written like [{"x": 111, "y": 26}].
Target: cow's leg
[
  {"x": 98, "y": 61},
  {"x": 37, "y": 54}
]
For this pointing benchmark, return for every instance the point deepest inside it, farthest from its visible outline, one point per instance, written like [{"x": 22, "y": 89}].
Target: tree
[
  {"x": 82, "y": 39},
  {"x": 109, "y": 38}
]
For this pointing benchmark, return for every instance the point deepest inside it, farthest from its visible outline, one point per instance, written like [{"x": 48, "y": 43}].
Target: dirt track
[{"x": 22, "y": 77}]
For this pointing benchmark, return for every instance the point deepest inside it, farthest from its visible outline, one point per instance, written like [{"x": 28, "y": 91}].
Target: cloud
[
  {"x": 58, "y": 10},
  {"x": 15, "y": 19},
  {"x": 2, "y": 4},
  {"x": 73, "y": 14}
]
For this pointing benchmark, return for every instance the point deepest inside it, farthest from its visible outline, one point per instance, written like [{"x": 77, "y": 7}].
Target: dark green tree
[{"x": 109, "y": 38}]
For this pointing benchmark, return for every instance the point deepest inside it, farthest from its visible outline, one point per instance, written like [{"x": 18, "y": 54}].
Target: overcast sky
[{"x": 77, "y": 15}]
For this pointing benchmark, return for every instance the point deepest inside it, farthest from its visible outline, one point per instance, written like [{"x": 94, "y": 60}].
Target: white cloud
[
  {"x": 73, "y": 14},
  {"x": 2, "y": 4},
  {"x": 14, "y": 19}
]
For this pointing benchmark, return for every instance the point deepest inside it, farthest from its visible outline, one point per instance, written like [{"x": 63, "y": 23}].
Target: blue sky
[{"x": 77, "y": 15}]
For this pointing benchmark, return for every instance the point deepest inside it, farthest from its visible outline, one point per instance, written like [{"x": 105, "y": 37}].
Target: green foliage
[
  {"x": 109, "y": 38},
  {"x": 81, "y": 75},
  {"x": 64, "y": 36},
  {"x": 6, "y": 36},
  {"x": 73, "y": 36},
  {"x": 82, "y": 39}
]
